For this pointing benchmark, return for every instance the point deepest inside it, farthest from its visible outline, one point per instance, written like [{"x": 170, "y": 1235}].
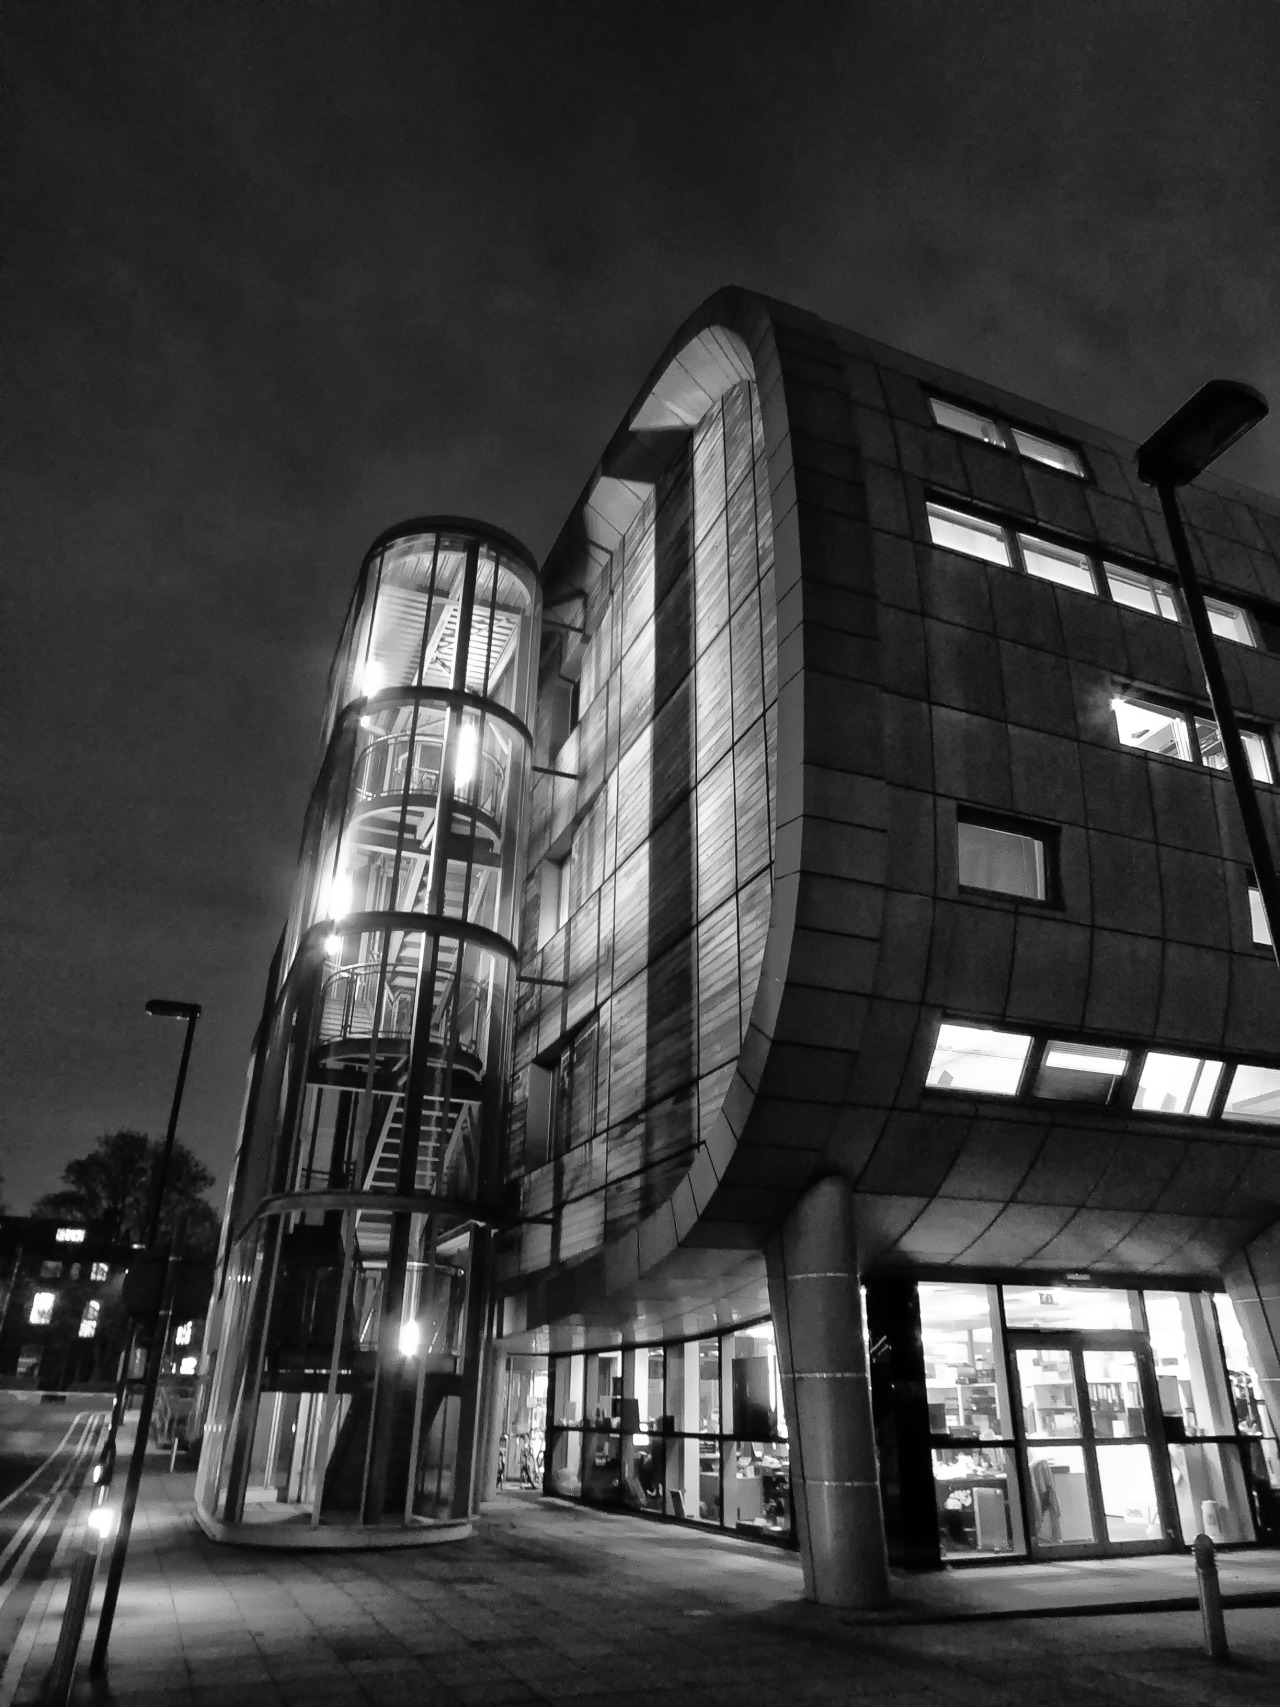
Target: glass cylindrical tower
[{"x": 354, "y": 1290}]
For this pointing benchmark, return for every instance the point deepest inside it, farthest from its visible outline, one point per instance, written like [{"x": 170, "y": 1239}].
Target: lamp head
[
  {"x": 1195, "y": 435},
  {"x": 173, "y": 1010}
]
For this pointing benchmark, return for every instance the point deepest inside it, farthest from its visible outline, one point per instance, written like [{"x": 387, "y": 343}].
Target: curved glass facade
[{"x": 368, "y": 1176}]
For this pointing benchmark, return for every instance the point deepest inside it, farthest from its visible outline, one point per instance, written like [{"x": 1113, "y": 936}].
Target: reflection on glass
[
  {"x": 1047, "y": 1384},
  {"x": 975, "y": 1058},
  {"x": 1079, "y": 1072},
  {"x": 1059, "y": 1495},
  {"x": 1209, "y": 1486},
  {"x": 1057, "y": 563},
  {"x": 1129, "y": 1501},
  {"x": 965, "y": 1382},
  {"x": 752, "y": 1393},
  {"x": 757, "y": 1488},
  {"x": 1115, "y": 1397},
  {"x": 1247, "y": 1403},
  {"x": 1254, "y": 1094},
  {"x": 1189, "y": 1373},
  {"x": 1177, "y": 1084},
  {"x": 978, "y": 1503},
  {"x": 1070, "y": 1307}
]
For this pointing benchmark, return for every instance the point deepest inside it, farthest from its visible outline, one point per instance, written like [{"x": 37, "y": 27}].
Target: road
[{"x": 46, "y": 1450}]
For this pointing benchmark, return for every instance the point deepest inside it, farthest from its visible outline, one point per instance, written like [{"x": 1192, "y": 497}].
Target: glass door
[{"x": 1086, "y": 1402}]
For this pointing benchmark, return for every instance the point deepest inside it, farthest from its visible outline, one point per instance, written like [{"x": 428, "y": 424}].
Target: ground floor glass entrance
[{"x": 1074, "y": 1421}]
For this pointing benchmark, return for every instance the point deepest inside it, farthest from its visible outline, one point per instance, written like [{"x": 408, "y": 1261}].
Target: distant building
[
  {"x": 61, "y": 1321},
  {"x": 775, "y": 1029}
]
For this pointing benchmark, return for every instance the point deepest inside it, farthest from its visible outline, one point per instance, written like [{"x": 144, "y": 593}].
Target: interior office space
[{"x": 776, "y": 1029}]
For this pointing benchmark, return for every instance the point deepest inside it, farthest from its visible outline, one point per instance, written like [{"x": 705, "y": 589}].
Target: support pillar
[{"x": 817, "y": 1314}]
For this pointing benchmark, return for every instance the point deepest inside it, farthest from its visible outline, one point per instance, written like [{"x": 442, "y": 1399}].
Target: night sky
[{"x": 278, "y": 275}]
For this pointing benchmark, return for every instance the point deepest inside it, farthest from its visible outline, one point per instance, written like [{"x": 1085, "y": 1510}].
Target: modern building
[{"x": 776, "y": 1029}]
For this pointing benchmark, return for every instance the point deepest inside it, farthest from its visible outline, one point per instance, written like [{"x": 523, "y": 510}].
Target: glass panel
[
  {"x": 693, "y": 1480},
  {"x": 1254, "y": 1094},
  {"x": 1079, "y": 1072},
  {"x": 709, "y": 1386},
  {"x": 1152, "y": 729},
  {"x": 1141, "y": 592},
  {"x": 753, "y": 1396},
  {"x": 1057, "y": 563},
  {"x": 1251, "y": 1415},
  {"x": 959, "y": 420},
  {"x": 569, "y": 1388},
  {"x": 1001, "y": 860},
  {"x": 1050, "y": 1307},
  {"x": 1129, "y": 1501},
  {"x": 651, "y": 1388},
  {"x": 974, "y": 1058},
  {"x": 1229, "y": 621},
  {"x": 1177, "y": 1084},
  {"x": 604, "y": 1388},
  {"x": 1061, "y": 457},
  {"x": 967, "y": 1393},
  {"x": 968, "y": 534},
  {"x": 1259, "y": 929},
  {"x": 1257, "y": 750},
  {"x": 1209, "y": 1486},
  {"x": 978, "y": 1503},
  {"x": 643, "y": 1458},
  {"x": 1047, "y": 1385},
  {"x": 1059, "y": 1495},
  {"x": 1189, "y": 1370},
  {"x": 757, "y": 1488},
  {"x": 1115, "y": 1397},
  {"x": 601, "y": 1467}
]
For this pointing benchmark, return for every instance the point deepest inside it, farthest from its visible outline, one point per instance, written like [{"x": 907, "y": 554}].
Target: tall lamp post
[
  {"x": 1195, "y": 435},
  {"x": 154, "y": 1337}
]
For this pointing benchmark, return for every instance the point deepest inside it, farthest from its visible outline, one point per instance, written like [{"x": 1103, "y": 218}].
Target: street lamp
[
  {"x": 154, "y": 1340},
  {"x": 1195, "y": 435}
]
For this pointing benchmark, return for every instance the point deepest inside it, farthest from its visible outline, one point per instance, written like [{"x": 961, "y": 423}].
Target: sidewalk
[{"x": 553, "y": 1603}]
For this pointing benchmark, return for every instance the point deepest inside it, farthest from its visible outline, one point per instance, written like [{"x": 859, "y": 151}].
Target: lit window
[
  {"x": 1057, "y": 563},
  {"x": 1153, "y": 729},
  {"x": 42, "y": 1309},
  {"x": 187, "y": 1366},
  {"x": 99, "y": 1271},
  {"x": 1258, "y": 754},
  {"x": 975, "y": 1058},
  {"x": 182, "y": 1333},
  {"x": 959, "y": 420},
  {"x": 1254, "y": 1095},
  {"x": 89, "y": 1321},
  {"x": 1230, "y": 622},
  {"x": 1003, "y": 860},
  {"x": 968, "y": 534},
  {"x": 1258, "y": 917},
  {"x": 1177, "y": 1084},
  {"x": 1214, "y": 754},
  {"x": 1141, "y": 592},
  {"x": 70, "y": 1235},
  {"x": 1079, "y": 1072},
  {"x": 1048, "y": 451}
]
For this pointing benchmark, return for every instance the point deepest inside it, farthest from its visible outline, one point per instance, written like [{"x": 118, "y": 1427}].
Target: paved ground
[{"x": 551, "y": 1603}]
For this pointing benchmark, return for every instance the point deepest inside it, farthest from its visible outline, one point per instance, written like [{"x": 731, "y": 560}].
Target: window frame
[
  {"x": 1007, "y": 428},
  {"x": 1190, "y": 717},
  {"x": 1048, "y": 835}
]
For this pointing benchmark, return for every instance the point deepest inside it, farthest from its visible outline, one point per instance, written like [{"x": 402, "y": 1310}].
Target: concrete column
[
  {"x": 1253, "y": 1282},
  {"x": 817, "y": 1315}
]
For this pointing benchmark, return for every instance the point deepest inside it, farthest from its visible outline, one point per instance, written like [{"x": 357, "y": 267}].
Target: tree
[{"x": 109, "y": 1190}]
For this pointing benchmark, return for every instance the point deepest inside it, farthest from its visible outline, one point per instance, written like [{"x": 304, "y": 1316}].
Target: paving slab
[{"x": 550, "y": 1602}]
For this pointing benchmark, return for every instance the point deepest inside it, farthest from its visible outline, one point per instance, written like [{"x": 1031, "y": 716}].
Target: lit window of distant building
[
  {"x": 182, "y": 1333},
  {"x": 51, "y": 1271},
  {"x": 1177, "y": 1084},
  {"x": 89, "y": 1321},
  {"x": 99, "y": 1271},
  {"x": 70, "y": 1235},
  {"x": 42, "y": 1309},
  {"x": 1254, "y": 1095},
  {"x": 1001, "y": 858},
  {"x": 187, "y": 1366},
  {"x": 978, "y": 1059}
]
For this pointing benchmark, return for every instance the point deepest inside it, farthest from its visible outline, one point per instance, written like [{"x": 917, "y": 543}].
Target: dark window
[{"x": 1003, "y": 857}]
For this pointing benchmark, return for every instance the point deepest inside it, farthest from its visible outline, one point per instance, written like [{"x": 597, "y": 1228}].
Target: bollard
[{"x": 1215, "y": 1630}]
